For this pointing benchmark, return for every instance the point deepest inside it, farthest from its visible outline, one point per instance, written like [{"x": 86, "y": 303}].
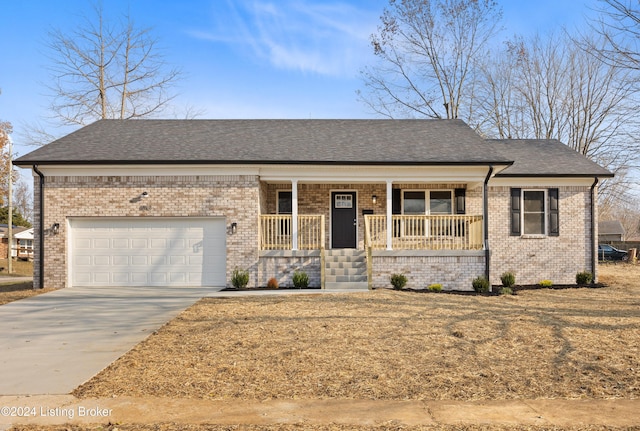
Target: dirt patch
[
  {"x": 13, "y": 291},
  {"x": 573, "y": 343}
]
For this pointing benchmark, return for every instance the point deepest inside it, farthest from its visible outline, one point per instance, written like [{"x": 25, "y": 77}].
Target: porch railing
[
  {"x": 426, "y": 232},
  {"x": 276, "y": 232}
]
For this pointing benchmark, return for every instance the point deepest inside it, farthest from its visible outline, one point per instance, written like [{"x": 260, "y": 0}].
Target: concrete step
[
  {"x": 345, "y": 267},
  {"x": 345, "y": 278},
  {"x": 346, "y": 271},
  {"x": 342, "y": 265},
  {"x": 337, "y": 285}
]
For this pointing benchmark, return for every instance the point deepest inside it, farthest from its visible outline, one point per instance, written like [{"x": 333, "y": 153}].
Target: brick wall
[
  {"x": 533, "y": 259},
  {"x": 282, "y": 265},
  {"x": 234, "y": 197},
  {"x": 453, "y": 272}
]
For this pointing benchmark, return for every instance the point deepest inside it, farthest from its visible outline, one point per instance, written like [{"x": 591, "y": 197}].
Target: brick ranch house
[{"x": 185, "y": 202}]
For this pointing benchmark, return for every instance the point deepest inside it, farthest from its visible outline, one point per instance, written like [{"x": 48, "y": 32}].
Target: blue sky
[{"x": 240, "y": 58}]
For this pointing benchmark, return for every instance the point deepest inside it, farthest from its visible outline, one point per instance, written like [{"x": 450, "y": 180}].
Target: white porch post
[
  {"x": 294, "y": 214},
  {"x": 389, "y": 214}
]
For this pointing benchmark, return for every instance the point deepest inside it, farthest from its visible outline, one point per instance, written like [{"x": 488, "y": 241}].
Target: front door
[{"x": 343, "y": 220}]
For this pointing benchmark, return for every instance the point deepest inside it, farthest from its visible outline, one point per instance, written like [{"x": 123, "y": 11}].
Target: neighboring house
[
  {"x": 185, "y": 202},
  {"x": 610, "y": 230},
  {"x": 22, "y": 242}
]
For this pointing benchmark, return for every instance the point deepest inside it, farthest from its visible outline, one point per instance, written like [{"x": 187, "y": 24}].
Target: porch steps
[{"x": 346, "y": 269}]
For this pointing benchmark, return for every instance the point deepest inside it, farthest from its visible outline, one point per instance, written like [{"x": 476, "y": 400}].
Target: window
[
  {"x": 440, "y": 202},
  {"x": 414, "y": 202},
  {"x": 534, "y": 212},
  {"x": 285, "y": 206},
  {"x": 284, "y": 202},
  {"x": 343, "y": 201},
  {"x": 423, "y": 202}
]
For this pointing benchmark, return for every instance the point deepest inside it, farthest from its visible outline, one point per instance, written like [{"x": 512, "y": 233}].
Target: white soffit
[{"x": 285, "y": 173}]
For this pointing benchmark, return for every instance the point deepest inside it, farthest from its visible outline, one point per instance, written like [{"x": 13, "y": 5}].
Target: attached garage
[{"x": 147, "y": 251}]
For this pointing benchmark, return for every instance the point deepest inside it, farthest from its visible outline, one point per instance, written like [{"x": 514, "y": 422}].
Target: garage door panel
[
  {"x": 148, "y": 252},
  {"x": 139, "y": 260}
]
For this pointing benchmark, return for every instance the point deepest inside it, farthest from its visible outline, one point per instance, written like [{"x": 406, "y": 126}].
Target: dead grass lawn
[
  {"x": 573, "y": 343},
  {"x": 309, "y": 427},
  {"x": 15, "y": 290}
]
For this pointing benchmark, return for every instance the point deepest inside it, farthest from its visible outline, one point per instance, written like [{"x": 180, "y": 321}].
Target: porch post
[
  {"x": 294, "y": 214},
  {"x": 389, "y": 214}
]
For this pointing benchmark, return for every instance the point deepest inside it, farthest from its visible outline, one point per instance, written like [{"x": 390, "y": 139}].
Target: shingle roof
[
  {"x": 544, "y": 158},
  {"x": 269, "y": 141},
  {"x": 356, "y": 142},
  {"x": 608, "y": 227}
]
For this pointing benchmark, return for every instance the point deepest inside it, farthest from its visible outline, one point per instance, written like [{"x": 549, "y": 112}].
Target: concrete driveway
[{"x": 51, "y": 343}]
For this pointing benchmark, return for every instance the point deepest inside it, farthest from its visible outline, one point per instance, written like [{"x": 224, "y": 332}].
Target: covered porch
[{"x": 431, "y": 219}]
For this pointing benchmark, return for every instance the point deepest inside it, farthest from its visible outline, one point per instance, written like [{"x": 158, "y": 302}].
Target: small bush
[
  {"x": 240, "y": 278},
  {"x": 398, "y": 281},
  {"x": 546, "y": 283},
  {"x": 508, "y": 279},
  {"x": 506, "y": 291},
  {"x": 300, "y": 280},
  {"x": 272, "y": 283},
  {"x": 480, "y": 284},
  {"x": 584, "y": 277},
  {"x": 435, "y": 287}
]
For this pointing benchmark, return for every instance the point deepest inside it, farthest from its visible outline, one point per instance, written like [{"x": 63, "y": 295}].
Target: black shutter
[
  {"x": 396, "y": 199},
  {"x": 515, "y": 212},
  {"x": 554, "y": 222},
  {"x": 459, "y": 201}
]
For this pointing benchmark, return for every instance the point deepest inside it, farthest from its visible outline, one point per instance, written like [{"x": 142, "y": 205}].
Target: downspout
[
  {"x": 594, "y": 259},
  {"x": 487, "y": 253},
  {"x": 41, "y": 227}
]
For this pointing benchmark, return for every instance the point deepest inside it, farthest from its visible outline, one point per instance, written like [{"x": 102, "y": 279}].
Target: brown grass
[
  {"x": 18, "y": 267},
  {"x": 572, "y": 343},
  {"x": 314, "y": 427}
]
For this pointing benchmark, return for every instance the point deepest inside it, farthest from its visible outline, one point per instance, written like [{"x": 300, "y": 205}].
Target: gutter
[
  {"x": 41, "y": 225},
  {"x": 594, "y": 258},
  {"x": 487, "y": 252}
]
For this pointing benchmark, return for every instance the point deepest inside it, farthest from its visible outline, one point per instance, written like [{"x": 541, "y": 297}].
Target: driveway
[{"x": 51, "y": 343}]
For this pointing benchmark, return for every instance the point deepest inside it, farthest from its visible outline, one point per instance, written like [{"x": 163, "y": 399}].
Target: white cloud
[{"x": 305, "y": 35}]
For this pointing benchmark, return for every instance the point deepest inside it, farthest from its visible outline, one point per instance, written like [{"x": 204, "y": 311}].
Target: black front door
[{"x": 343, "y": 220}]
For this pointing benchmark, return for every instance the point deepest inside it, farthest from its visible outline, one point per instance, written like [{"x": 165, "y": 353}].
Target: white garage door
[{"x": 148, "y": 252}]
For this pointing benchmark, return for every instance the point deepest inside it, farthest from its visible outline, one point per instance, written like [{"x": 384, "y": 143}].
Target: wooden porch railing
[
  {"x": 426, "y": 232},
  {"x": 276, "y": 232}
]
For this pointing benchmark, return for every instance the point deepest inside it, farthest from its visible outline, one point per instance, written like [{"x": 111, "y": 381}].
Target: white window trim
[{"x": 545, "y": 217}]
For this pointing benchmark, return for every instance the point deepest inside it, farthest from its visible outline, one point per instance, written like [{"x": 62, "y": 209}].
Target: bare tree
[
  {"x": 553, "y": 89},
  {"x": 426, "y": 51},
  {"x": 23, "y": 199},
  {"x": 619, "y": 24},
  {"x": 105, "y": 70}
]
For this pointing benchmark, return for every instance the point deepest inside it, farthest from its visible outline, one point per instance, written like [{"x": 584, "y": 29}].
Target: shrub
[
  {"x": 240, "y": 278},
  {"x": 584, "y": 277},
  {"x": 272, "y": 283},
  {"x": 546, "y": 283},
  {"x": 506, "y": 291},
  {"x": 480, "y": 284},
  {"x": 398, "y": 281},
  {"x": 508, "y": 279},
  {"x": 436, "y": 287},
  {"x": 300, "y": 280}
]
